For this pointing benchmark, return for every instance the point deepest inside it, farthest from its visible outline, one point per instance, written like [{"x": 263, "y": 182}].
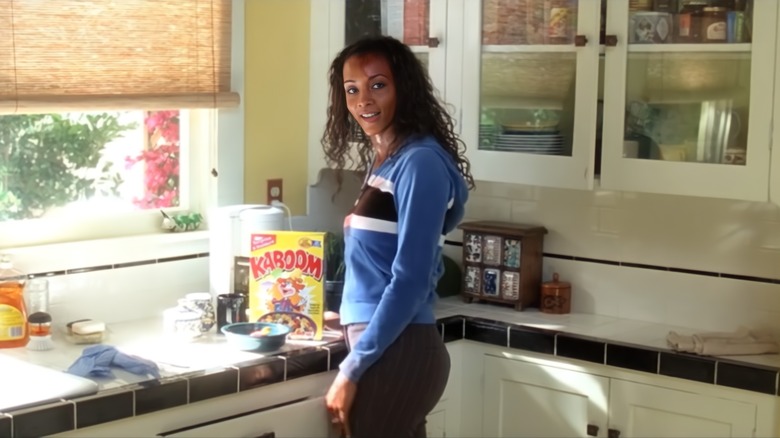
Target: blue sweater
[{"x": 393, "y": 244}]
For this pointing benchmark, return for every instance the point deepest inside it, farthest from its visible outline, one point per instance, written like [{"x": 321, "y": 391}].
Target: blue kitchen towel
[{"x": 97, "y": 360}]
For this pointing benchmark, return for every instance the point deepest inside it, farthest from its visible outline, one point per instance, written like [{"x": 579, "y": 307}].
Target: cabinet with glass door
[
  {"x": 530, "y": 90},
  {"x": 688, "y": 97},
  {"x": 421, "y": 24},
  {"x": 774, "y": 187}
]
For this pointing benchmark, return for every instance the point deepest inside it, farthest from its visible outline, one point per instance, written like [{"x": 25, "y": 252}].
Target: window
[{"x": 107, "y": 114}]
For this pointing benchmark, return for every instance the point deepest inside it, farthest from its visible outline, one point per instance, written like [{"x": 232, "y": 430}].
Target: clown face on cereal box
[{"x": 286, "y": 270}]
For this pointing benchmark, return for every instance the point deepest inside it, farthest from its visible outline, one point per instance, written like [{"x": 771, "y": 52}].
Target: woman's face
[{"x": 371, "y": 96}]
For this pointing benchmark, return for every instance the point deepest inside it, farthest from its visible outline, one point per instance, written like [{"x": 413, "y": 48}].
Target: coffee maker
[{"x": 230, "y": 231}]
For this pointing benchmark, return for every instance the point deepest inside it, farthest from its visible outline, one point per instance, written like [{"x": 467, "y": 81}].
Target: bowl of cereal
[
  {"x": 300, "y": 325},
  {"x": 256, "y": 336}
]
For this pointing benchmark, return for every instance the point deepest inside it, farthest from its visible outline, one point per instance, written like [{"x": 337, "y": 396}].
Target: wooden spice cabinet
[{"x": 502, "y": 262}]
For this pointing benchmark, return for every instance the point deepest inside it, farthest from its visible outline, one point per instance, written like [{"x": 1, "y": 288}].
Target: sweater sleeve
[{"x": 422, "y": 191}]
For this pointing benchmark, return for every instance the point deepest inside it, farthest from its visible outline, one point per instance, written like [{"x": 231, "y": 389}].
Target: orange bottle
[{"x": 13, "y": 315}]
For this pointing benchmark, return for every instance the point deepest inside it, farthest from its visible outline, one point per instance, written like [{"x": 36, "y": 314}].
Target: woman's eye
[
  {"x": 351, "y": 90},
  {"x": 378, "y": 85}
]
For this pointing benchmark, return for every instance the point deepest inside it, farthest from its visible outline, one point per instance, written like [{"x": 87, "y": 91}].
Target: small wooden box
[{"x": 502, "y": 262}]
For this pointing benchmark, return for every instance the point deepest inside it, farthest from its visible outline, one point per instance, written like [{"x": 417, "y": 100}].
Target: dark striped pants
[{"x": 396, "y": 393}]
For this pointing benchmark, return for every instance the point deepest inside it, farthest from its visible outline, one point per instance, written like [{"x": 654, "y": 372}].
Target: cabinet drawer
[{"x": 307, "y": 418}]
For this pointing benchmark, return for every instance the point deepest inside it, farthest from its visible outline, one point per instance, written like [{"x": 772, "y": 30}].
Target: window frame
[{"x": 216, "y": 144}]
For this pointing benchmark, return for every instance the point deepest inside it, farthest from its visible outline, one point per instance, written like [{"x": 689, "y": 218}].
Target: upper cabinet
[
  {"x": 687, "y": 100},
  {"x": 529, "y": 90},
  {"x": 657, "y": 96}
]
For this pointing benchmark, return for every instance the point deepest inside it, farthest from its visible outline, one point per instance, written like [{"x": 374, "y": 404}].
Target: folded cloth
[
  {"x": 97, "y": 360},
  {"x": 740, "y": 342}
]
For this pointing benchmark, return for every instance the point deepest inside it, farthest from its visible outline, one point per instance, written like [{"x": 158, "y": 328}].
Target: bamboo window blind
[{"x": 77, "y": 55}]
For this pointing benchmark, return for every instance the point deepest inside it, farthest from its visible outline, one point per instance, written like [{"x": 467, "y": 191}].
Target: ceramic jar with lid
[{"x": 556, "y": 296}]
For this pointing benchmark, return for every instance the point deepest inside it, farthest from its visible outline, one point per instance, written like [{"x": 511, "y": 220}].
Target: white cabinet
[
  {"x": 689, "y": 118},
  {"x": 307, "y": 418},
  {"x": 544, "y": 399},
  {"x": 526, "y": 80},
  {"x": 774, "y": 188},
  {"x": 529, "y": 400},
  {"x": 639, "y": 410},
  {"x": 529, "y": 91}
]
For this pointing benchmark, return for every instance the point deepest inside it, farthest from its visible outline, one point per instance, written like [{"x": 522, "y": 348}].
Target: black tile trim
[
  {"x": 44, "y": 421},
  {"x": 130, "y": 264},
  {"x": 525, "y": 338},
  {"x": 575, "y": 347},
  {"x": 486, "y": 331},
  {"x": 6, "y": 426},
  {"x": 663, "y": 268},
  {"x": 212, "y": 385},
  {"x": 600, "y": 261},
  {"x": 162, "y": 396},
  {"x": 558, "y": 256},
  {"x": 632, "y": 358},
  {"x": 746, "y": 377},
  {"x": 453, "y": 242},
  {"x": 261, "y": 373},
  {"x": 135, "y": 263},
  {"x": 177, "y": 258},
  {"x": 89, "y": 269},
  {"x": 453, "y": 328},
  {"x": 102, "y": 409},
  {"x": 686, "y": 366}
]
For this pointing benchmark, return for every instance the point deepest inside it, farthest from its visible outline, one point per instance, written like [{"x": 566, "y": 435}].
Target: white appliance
[{"x": 230, "y": 231}]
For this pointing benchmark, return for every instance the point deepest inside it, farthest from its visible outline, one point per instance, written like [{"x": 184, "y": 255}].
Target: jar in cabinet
[
  {"x": 713, "y": 24},
  {"x": 689, "y": 22}
]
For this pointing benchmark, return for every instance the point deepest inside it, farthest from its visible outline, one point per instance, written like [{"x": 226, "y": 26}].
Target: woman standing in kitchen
[{"x": 416, "y": 185}]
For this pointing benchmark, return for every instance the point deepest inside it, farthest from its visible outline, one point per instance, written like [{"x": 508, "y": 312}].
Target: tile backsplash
[{"x": 707, "y": 264}]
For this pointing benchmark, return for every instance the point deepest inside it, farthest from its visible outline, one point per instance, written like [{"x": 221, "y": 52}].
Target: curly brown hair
[{"x": 418, "y": 110}]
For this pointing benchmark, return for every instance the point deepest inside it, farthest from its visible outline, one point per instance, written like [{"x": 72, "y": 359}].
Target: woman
[{"x": 416, "y": 185}]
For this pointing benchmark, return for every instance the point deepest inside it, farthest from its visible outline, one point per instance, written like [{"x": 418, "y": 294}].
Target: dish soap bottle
[
  {"x": 13, "y": 314},
  {"x": 36, "y": 293}
]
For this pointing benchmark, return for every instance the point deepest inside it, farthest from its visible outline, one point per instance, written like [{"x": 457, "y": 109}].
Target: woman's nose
[{"x": 364, "y": 99}]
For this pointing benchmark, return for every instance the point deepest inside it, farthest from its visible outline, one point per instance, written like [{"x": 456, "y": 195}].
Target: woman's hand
[{"x": 339, "y": 402}]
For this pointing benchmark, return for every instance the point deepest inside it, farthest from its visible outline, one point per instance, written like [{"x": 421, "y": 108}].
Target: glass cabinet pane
[
  {"x": 528, "y": 21},
  {"x": 689, "y": 21},
  {"x": 528, "y": 76},
  {"x": 688, "y": 80},
  {"x": 406, "y": 20}
]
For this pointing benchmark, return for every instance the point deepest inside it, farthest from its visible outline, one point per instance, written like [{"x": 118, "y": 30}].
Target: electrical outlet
[{"x": 274, "y": 192}]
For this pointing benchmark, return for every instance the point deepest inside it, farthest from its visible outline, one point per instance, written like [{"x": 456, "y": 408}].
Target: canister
[{"x": 556, "y": 296}]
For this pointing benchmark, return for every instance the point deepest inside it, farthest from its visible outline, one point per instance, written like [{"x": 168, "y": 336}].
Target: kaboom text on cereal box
[{"x": 286, "y": 277}]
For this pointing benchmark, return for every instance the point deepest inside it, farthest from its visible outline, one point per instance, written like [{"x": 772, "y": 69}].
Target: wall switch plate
[{"x": 274, "y": 190}]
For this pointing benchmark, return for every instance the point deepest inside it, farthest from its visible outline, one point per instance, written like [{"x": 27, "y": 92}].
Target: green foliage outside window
[{"x": 50, "y": 160}]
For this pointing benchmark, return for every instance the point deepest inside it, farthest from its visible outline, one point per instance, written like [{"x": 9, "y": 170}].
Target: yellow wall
[{"x": 276, "y": 99}]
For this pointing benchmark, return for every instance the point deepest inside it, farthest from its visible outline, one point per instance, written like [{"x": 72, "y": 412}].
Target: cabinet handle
[
  {"x": 593, "y": 430},
  {"x": 613, "y": 433},
  {"x": 610, "y": 40},
  {"x": 580, "y": 40},
  {"x": 433, "y": 42}
]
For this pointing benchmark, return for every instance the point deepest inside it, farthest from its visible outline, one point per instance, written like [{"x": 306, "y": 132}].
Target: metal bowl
[{"x": 238, "y": 335}]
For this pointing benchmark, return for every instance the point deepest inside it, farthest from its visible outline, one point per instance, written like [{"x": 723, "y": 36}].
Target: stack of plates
[{"x": 545, "y": 140}]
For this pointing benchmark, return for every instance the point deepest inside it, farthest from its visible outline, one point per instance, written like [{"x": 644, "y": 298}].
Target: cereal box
[{"x": 286, "y": 277}]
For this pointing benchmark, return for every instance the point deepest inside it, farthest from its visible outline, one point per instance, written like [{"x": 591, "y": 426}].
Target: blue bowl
[{"x": 238, "y": 335}]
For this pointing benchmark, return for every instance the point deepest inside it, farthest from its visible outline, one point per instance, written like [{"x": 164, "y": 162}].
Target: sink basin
[{"x": 24, "y": 384}]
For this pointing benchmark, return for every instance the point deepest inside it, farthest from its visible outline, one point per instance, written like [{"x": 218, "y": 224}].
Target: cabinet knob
[
  {"x": 593, "y": 430},
  {"x": 610, "y": 40},
  {"x": 433, "y": 42},
  {"x": 613, "y": 433},
  {"x": 580, "y": 40}
]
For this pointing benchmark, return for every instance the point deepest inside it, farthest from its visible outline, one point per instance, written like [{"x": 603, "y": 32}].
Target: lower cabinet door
[
  {"x": 524, "y": 399},
  {"x": 436, "y": 422},
  {"x": 640, "y": 410},
  {"x": 307, "y": 418}
]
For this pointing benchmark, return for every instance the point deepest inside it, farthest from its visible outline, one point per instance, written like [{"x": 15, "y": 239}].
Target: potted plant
[{"x": 334, "y": 270}]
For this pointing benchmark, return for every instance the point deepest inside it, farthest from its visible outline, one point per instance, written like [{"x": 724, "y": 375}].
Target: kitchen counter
[{"x": 208, "y": 367}]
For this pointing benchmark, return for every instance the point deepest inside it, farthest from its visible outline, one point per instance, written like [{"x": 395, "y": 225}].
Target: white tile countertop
[
  {"x": 608, "y": 328},
  {"x": 145, "y": 338}
]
